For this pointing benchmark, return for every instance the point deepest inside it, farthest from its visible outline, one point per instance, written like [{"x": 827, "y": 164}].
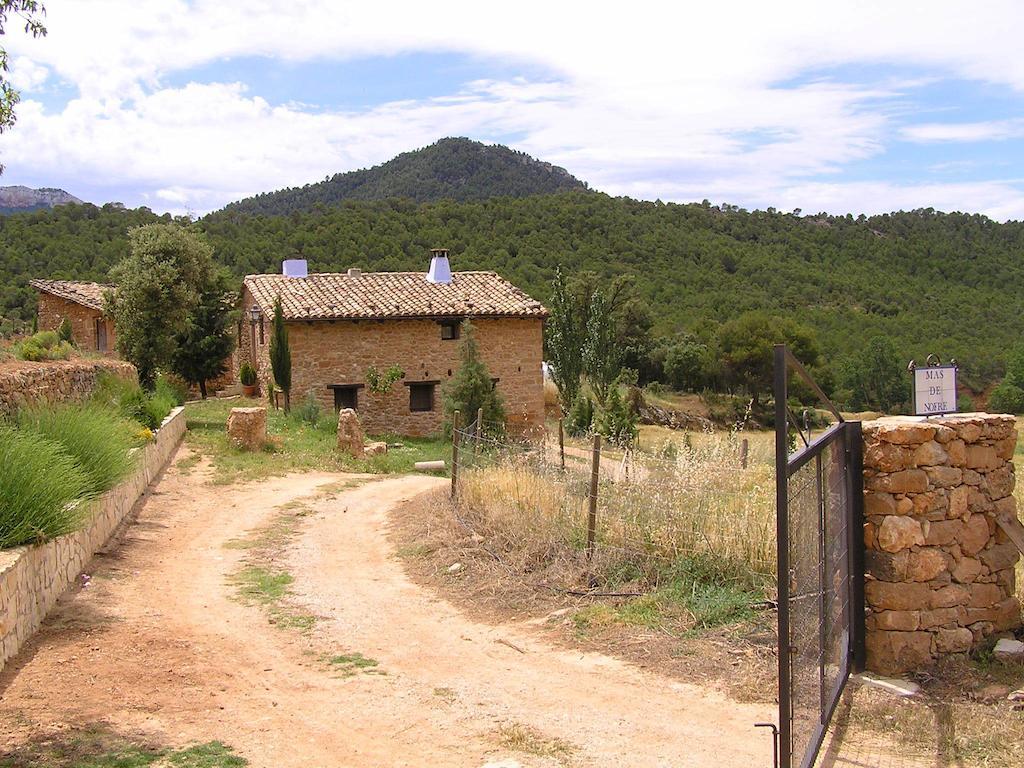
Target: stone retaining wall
[
  {"x": 940, "y": 572},
  {"x": 32, "y": 578},
  {"x": 24, "y": 383}
]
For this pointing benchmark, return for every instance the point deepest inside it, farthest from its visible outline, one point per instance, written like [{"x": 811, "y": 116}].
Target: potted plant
[{"x": 247, "y": 375}]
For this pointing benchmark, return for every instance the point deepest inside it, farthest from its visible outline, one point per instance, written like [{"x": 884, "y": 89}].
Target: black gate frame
[{"x": 847, "y": 436}]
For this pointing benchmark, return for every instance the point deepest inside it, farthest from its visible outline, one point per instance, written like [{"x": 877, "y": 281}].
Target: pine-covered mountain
[
  {"x": 950, "y": 284},
  {"x": 18, "y": 199},
  {"x": 454, "y": 168}
]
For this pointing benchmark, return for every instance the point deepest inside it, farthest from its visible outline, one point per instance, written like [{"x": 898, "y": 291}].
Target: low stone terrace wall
[
  {"x": 33, "y": 577},
  {"x": 940, "y": 572},
  {"x": 59, "y": 381}
]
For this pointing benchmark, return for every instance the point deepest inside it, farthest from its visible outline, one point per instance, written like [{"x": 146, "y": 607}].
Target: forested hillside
[
  {"x": 952, "y": 284},
  {"x": 452, "y": 169}
]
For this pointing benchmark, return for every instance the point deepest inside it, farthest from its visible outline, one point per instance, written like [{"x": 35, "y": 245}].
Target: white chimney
[
  {"x": 354, "y": 271},
  {"x": 294, "y": 268},
  {"x": 440, "y": 271}
]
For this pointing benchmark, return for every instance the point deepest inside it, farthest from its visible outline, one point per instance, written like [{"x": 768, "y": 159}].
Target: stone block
[
  {"x": 888, "y": 457},
  {"x": 376, "y": 449},
  {"x": 949, "y": 596},
  {"x": 930, "y": 454},
  {"x": 934, "y": 501},
  {"x": 247, "y": 428},
  {"x": 901, "y": 621},
  {"x": 945, "y": 477},
  {"x": 891, "y": 652},
  {"x": 942, "y": 532},
  {"x": 967, "y": 570},
  {"x": 886, "y": 596},
  {"x": 982, "y": 457},
  {"x": 939, "y": 617},
  {"x": 974, "y": 535},
  {"x": 350, "y": 433},
  {"x": 870, "y": 536},
  {"x": 887, "y": 566},
  {"x": 1000, "y": 557},
  {"x": 877, "y": 504},
  {"x": 959, "y": 499},
  {"x": 896, "y": 533},
  {"x": 984, "y": 595},
  {"x": 925, "y": 564},
  {"x": 999, "y": 482},
  {"x": 1009, "y": 650},
  {"x": 904, "y": 433},
  {"x": 954, "y": 640},
  {"x": 907, "y": 481},
  {"x": 957, "y": 452},
  {"x": 1006, "y": 447},
  {"x": 1007, "y": 615},
  {"x": 944, "y": 434},
  {"x": 969, "y": 431}
]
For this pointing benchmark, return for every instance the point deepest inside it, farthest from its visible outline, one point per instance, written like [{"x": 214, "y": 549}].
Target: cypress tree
[
  {"x": 281, "y": 355},
  {"x": 471, "y": 388}
]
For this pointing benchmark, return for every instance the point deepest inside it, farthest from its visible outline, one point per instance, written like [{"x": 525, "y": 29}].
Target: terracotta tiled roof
[
  {"x": 379, "y": 295},
  {"x": 87, "y": 294}
]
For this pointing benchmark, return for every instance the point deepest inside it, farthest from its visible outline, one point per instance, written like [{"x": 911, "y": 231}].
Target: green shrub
[
  {"x": 95, "y": 436},
  {"x": 42, "y": 488},
  {"x": 247, "y": 374},
  {"x": 64, "y": 332},
  {"x": 173, "y": 387},
  {"x": 45, "y": 345},
  {"x": 128, "y": 399},
  {"x": 309, "y": 411},
  {"x": 158, "y": 407},
  {"x": 1006, "y": 398},
  {"x": 965, "y": 404},
  {"x": 581, "y": 416},
  {"x": 617, "y": 421}
]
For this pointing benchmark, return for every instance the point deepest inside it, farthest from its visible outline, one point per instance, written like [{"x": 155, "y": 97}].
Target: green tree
[
  {"x": 281, "y": 355},
  {"x": 472, "y": 388},
  {"x": 31, "y": 12},
  {"x": 565, "y": 339},
  {"x": 684, "y": 362},
  {"x": 1008, "y": 395},
  {"x": 203, "y": 348},
  {"x": 617, "y": 420},
  {"x": 748, "y": 343},
  {"x": 158, "y": 285},
  {"x": 602, "y": 355},
  {"x": 876, "y": 377}
]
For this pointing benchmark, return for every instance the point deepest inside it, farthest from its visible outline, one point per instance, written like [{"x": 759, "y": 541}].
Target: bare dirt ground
[{"x": 159, "y": 648}]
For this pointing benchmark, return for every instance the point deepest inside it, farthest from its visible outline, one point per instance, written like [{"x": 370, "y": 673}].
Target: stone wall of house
[
  {"x": 24, "y": 383},
  {"x": 32, "y": 578},
  {"x": 340, "y": 352},
  {"x": 52, "y": 311},
  {"x": 940, "y": 572}
]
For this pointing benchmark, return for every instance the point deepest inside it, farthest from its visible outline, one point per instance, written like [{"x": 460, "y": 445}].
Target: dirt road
[{"x": 158, "y": 647}]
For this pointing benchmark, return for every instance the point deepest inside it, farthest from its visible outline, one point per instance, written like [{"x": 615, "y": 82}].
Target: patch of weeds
[
  {"x": 261, "y": 585},
  {"x": 447, "y": 695},
  {"x": 277, "y": 533},
  {"x": 419, "y": 549},
  {"x": 99, "y": 748},
  {"x": 349, "y": 664},
  {"x": 523, "y": 738},
  {"x": 186, "y": 465}
]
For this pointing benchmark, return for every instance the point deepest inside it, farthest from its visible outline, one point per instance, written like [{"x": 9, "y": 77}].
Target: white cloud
[
  {"x": 26, "y": 74},
  {"x": 679, "y": 102},
  {"x": 993, "y": 130}
]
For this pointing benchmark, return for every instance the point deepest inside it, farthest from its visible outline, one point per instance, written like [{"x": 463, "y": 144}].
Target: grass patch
[
  {"x": 99, "y": 748},
  {"x": 261, "y": 585},
  {"x": 186, "y": 465},
  {"x": 96, "y": 437},
  {"x": 296, "y": 445},
  {"x": 530, "y": 741},
  {"x": 349, "y": 664},
  {"x": 44, "y": 489}
]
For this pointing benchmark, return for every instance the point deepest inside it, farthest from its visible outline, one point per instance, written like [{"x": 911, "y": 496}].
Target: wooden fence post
[
  {"x": 595, "y": 469},
  {"x": 479, "y": 428},
  {"x": 744, "y": 452},
  {"x": 455, "y": 452},
  {"x": 561, "y": 444}
]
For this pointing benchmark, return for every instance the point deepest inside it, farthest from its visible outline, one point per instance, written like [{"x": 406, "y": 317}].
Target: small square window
[
  {"x": 421, "y": 397},
  {"x": 346, "y": 397},
  {"x": 450, "y": 330}
]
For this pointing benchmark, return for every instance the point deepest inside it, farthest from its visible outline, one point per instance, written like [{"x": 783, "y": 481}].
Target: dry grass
[{"x": 530, "y": 741}]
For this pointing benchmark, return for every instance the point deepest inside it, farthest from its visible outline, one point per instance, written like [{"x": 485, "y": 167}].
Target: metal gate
[{"x": 819, "y": 496}]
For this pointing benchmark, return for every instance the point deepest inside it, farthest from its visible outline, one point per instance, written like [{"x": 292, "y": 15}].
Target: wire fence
[{"x": 619, "y": 510}]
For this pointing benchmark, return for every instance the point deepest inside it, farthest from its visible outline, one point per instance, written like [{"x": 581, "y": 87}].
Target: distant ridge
[
  {"x": 19, "y": 199},
  {"x": 453, "y": 168}
]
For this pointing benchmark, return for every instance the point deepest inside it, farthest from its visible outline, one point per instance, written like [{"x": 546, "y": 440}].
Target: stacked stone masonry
[
  {"x": 940, "y": 571},
  {"x": 60, "y": 381},
  {"x": 32, "y": 578},
  {"x": 90, "y": 328},
  {"x": 328, "y": 353}
]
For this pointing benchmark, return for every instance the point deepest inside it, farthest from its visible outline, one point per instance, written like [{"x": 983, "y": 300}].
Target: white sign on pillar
[{"x": 934, "y": 390}]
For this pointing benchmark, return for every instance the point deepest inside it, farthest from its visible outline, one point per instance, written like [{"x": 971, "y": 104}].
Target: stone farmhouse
[
  {"x": 82, "y": 304},
  {"x": 342, "y": 325}
]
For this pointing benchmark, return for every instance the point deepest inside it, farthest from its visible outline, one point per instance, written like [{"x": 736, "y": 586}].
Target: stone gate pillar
[{"x": 939, "y": 570}]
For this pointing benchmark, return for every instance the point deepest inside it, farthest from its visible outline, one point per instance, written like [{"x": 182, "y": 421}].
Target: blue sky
[{"x": 839, "y": 107}]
